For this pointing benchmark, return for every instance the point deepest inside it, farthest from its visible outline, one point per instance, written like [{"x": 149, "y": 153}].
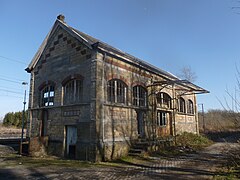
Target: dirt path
[{"x": 203, "y": 165}]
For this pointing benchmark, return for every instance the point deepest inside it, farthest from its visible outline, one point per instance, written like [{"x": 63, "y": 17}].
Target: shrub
[{"x": 193, "y": 141}]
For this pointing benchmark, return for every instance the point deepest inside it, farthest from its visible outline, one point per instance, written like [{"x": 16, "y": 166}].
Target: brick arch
[
  {"x": 45, "y": 83},
  {"x": 138, "y": 83},
  {"x": 163, "y": 91},
  {"x": 119, "y": 77},
  {"x": 71, "y": 77}
]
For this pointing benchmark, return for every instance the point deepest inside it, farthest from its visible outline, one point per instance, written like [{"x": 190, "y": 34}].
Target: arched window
[
  {"x": 190, "y": 107},
  {"x": 181, "y": 105},
  {"x": 164, "y": 100},
  {"x": 116, "y": 91},
  {"x": 73, "y": 91},
  {"x": 139, "y": 96},
  {"x": 47, "y": 95}
]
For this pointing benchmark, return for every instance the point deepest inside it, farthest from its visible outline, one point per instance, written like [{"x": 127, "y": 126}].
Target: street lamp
[{"x": 24, "y": 104}]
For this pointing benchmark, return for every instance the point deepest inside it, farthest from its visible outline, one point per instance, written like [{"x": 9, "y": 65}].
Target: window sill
[
  {"x": 163, "y": 126},
  {"x": 187, "y": 114},
  {"x": 117, "y": 105},
  {"x": 59, "y": 106}
]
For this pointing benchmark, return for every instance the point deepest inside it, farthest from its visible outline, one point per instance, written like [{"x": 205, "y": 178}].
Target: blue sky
[{"x": 170, "y": 34}]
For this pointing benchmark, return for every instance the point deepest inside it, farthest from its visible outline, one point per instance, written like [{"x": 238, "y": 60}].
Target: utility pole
[
  {"x": 203, "y": 119},
  {"x": 23, "y": 115}
]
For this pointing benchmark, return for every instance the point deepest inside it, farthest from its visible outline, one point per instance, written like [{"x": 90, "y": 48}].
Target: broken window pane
[{"x": 47, "y": 96}]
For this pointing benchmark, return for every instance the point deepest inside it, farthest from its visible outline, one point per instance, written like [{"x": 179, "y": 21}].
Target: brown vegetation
[
  {"x": 219, "y": 121},
  {"x": 9, "y": 132}
]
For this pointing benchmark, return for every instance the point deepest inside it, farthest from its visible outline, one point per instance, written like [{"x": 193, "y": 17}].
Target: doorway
[
  {"x": 71, "y": 141},
  {"x": 44, "y": 123},
  {"x": 140, "y": 124}
]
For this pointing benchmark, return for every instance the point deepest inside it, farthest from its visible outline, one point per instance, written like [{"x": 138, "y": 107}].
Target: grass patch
[
  {"x": 14, "y": 160},
  {"x": 227, "y": 175}
]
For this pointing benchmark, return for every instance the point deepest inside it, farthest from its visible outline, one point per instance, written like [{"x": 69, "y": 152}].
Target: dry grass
[{"x": 9, "y": 132}]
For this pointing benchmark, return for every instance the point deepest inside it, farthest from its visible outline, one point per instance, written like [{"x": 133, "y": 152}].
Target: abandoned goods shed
[{"x": 91, "y": 101}]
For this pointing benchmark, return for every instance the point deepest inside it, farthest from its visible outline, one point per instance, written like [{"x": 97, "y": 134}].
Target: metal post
[
  {"x": 23, "y": 115},
  {"x": 174, "y": 113},
  {"x": 203, "y": 119}
]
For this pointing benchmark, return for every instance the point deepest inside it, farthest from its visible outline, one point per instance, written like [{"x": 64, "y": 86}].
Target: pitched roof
[{"x": 92, "y": 43}]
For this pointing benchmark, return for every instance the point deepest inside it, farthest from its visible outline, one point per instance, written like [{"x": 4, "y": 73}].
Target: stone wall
[
  {"x": 104, "y": 130},
  {"x": 63, "y": 58},
  {"x": 117, "y": 123}
]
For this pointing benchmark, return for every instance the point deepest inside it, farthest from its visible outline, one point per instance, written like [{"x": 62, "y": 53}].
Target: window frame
[
  {"x": 117, "y": 91},
  {"x": 190, "y": 109},
  {"x": 47, "y": 95},
  {"x": 164, "y": 100},
  {"x": 162, "y": 119},
  {"x": 139, "y": 94},
  {"x": 181, "y": 105},
  {"x": 73, "y": 91}
]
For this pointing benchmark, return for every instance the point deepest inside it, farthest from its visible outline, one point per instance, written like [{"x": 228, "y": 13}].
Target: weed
[{"x": 193, "y": 141}]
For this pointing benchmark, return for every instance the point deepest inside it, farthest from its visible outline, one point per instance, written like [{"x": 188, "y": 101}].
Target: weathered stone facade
[{"x": 91, "y": 100}]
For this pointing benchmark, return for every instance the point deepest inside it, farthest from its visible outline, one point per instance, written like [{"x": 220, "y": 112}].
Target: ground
[{"x": 206, "y": 164}]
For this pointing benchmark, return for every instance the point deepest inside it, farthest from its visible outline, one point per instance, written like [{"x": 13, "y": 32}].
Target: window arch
[
  {"x": 164, "y": 99},
  {"x": 116, "y": 91},
  {"x": 139, "y": 96},
  {"x": 73, "y": 91},
  {"x": 47, "y": 95},
  {"x": 190, "y": 107},
  {"x": 181, "y": 104}
]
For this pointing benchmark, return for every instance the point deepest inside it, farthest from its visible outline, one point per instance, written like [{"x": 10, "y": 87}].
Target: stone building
[{"x": 91, "y": 101}]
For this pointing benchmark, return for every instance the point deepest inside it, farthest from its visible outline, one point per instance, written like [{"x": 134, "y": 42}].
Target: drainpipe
[{"x": 103, "y": 99}]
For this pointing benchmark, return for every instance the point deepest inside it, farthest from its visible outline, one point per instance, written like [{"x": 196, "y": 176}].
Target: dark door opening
[
  {"x": 44, "y": 123},
  {"x": 71, "y": 141},
  {"x": 140, "y": 123}
]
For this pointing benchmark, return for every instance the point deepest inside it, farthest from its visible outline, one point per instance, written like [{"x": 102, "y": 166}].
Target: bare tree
[{"x": 188, "y": 74}]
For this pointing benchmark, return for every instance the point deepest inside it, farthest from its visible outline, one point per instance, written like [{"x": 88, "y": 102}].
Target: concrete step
[
  {"x": 138, "y": 151},
  {"x": 133, "y": 154}
]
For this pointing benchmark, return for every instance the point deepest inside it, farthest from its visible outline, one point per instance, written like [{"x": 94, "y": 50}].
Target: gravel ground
[
  {"x": 203, "y": 165},
  {"x": 6, "y": 150}
]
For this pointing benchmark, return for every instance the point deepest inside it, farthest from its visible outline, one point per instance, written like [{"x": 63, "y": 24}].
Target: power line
[
  {"x": 11, "y": 96},
  {"x": 7, "y": 88},
  {"x": 8, "y": 77},
  {"x": 12, "y": 81},
  {"x": 13, "y": 60},
  {"x": 9, "y": 91}
]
